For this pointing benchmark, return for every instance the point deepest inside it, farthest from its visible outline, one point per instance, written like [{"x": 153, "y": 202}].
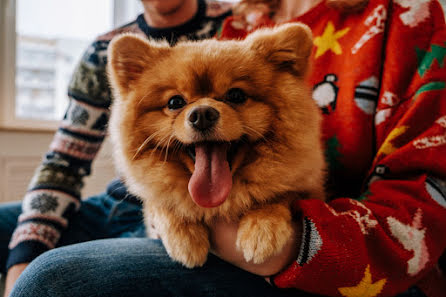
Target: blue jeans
[{"x": 123, "y": 265}]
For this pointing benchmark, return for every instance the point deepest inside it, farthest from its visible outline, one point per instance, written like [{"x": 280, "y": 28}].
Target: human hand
[
  {"x": 12, "y": 275},
  {"x": 223, "y": 235}
]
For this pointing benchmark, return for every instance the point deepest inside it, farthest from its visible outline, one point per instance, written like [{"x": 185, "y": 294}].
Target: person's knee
[{"x": 48, "y": 275}]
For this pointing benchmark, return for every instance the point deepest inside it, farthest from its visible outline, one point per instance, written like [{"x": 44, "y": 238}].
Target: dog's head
[{"x": 214, "y": 110}]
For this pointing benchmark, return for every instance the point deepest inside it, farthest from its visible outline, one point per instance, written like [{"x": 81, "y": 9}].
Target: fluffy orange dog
[{"x": 217, "y": 129}]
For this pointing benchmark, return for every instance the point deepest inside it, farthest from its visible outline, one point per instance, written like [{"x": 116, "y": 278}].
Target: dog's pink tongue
[{"x": 211, "y": 181}]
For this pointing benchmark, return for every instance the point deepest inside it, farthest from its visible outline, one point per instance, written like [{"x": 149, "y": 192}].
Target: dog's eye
[
  {"x": 176, "y": 102},
  {"x": 235, "y": 95}
]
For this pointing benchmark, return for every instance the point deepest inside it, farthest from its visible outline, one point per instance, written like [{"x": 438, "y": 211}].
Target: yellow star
[
  {"x": 387, "y": 147},
  {"x": 329, "y": 40},
  {"x": 365, "y": 288}
]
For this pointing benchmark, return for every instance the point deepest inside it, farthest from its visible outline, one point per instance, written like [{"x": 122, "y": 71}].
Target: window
[{"x": 40, "y": 44}]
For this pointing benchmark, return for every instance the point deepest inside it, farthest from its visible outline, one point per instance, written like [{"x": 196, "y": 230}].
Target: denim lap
[{"x": 135, "y": 267}]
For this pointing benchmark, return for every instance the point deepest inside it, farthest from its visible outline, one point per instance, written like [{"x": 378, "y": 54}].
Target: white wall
[{"x": 21, "y": 152}]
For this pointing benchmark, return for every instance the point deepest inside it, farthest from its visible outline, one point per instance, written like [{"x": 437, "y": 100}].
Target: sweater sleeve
[
  {"x": 54, "y": 192},
  {"x": 391, "y": 237}
]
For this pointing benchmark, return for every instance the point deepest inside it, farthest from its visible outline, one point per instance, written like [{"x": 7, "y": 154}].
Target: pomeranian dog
[{"x": 223, "y": 129}]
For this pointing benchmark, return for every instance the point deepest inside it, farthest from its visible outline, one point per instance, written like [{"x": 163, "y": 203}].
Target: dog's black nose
[{"x": 203, "y": 117}]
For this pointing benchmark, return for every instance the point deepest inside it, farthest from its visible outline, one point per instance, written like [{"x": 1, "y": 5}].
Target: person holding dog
[{"x": 378, "y": 78}]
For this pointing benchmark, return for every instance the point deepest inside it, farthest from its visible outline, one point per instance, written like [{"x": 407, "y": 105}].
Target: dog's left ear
[
  {"x": 287, "y": 46},
  {"x": 129, "y": 55}
]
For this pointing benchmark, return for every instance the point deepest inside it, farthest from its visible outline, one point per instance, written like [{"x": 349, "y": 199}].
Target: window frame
[{"x": 8, "y": 42}]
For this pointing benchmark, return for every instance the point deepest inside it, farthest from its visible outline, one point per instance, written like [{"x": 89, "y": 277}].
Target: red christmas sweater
[{"x": 379, "y": 78}]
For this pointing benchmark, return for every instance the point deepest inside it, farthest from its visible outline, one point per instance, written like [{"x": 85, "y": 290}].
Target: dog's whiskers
[
  {"x": 167, "y": 148},
  {"x": 159, "y": 144},
  {"x": 260, "y": 135},
  {"x": 143, "y": 145},
  {"x": 176, "y": 146}
]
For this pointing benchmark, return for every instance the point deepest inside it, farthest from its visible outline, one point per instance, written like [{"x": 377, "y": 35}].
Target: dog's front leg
[
  {"x": 186, "y": 242},
  {"x": 263, "y": 232}
]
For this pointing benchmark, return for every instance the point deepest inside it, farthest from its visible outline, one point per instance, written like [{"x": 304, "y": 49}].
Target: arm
[
  {"x": 13, "y": 274},
  {"x": 391, "y": 237},
  {"x": 54, "y": 193}
]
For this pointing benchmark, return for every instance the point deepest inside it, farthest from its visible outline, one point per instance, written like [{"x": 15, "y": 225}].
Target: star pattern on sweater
[
  {"x": 388, "y": 147},
  {"x": 329, "y": 40},
  {"x": 365, "y": 288}
]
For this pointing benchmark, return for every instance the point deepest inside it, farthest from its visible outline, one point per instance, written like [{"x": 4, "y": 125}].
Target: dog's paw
[
  {"x": 188, "y": 245},
  {"x": 263, "y": 234}
]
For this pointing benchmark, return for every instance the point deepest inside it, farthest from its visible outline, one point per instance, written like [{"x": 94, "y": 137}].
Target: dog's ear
[
  {"x": 128, "y": 57},
  {"x": 287, "y": 46}
]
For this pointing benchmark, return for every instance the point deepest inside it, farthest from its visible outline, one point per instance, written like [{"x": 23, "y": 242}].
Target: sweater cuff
[{"x": 25, "y": 252}]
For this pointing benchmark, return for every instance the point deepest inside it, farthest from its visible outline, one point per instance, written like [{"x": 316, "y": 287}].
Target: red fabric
[{"x": 385, "y": 129}]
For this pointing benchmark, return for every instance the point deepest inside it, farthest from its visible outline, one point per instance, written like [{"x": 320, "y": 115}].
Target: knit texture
[
  {"x": 378, "y": 76},
  {"x": 55, "y": 191}
]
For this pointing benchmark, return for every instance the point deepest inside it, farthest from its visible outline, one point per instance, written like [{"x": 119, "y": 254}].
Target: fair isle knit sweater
[
  {"x": 54, "y": 193},
  {"x": 379, "y": 77}
]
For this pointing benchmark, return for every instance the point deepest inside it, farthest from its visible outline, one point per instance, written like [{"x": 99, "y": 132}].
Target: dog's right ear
[
  {"x": 128, "y": 57},
  {"x": 286, "y": 46}
]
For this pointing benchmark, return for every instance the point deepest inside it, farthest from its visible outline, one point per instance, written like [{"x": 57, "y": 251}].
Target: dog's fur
[{"x": 279, "y": 155}]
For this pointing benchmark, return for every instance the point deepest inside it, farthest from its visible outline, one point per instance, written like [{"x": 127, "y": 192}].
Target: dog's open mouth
[
  {"x": 230, "y": 152},
  {"x": 211, "y": 181}
]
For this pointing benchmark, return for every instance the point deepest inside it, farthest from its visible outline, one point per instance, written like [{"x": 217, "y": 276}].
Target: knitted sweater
[
  {"x": 54, "y": 193},
  {"x": 379, "y": 78}
]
